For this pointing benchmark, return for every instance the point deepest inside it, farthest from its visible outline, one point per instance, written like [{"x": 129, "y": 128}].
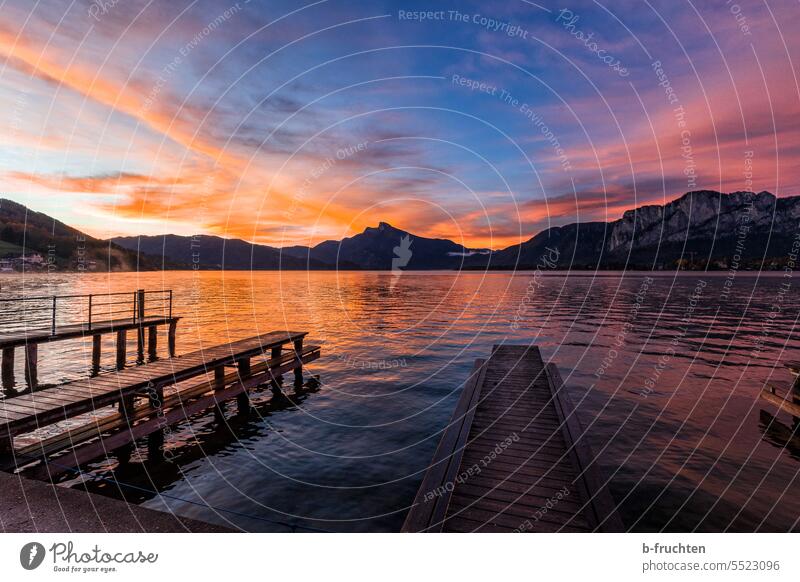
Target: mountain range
[
  {"x": 700, "y": 230},
  {"x": 373, "y": 249},
  {"x": 24, "y": 231}
]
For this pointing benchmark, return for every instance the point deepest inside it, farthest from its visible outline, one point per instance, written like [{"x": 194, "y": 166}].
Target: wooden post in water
[
  {"x": 8, "y": 369},
  {"x": 140, "y": 321},
  {"x": 126, "y": 410},
  {"x": 298, "y": 371},
  {"x": 243, "y": 399},
  {"x": 278, "y": 378},
  {"x": 152, "y": 342},
  {"x": 155, "y": 440},
  {"x": 32, "y": 364},
  {"x": 97, "y": 346},
  {"x": 122, "y": 341},
  {"x": 219, "y": 384},
  {"x": 171, "y": 338}
]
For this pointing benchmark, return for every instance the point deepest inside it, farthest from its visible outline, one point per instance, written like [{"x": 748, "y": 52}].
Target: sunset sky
[{"x": 290, "y": 123}]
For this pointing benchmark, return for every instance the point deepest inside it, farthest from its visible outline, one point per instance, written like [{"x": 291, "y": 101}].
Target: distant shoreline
[{"x": 550, "y": 273}]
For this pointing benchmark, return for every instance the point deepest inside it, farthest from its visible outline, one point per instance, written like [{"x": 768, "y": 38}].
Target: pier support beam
[
  {"x": 32, "y": 364},
  {"x": 152, "y": 342},
  {"x": 140, "y": 330},
  {"x": 155, "y": 440},
  {"x": 97, "y": 347},
  {"x": 126, "y": 410},
  {"x": 276, "y": 353},
  {"x": 8, "y": 369},
  {"x": 122, "y": 346},
  {"x": 173, "y": 326},
  {"x": 219, "y": 384},
  {"x": 243, "y": 399},
  {"x": 140, "y": 345},
  {"x": 298, "y": 371}
]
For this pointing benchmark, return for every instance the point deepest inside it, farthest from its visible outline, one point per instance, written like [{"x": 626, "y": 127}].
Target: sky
[{"x": 483, "y": 122}]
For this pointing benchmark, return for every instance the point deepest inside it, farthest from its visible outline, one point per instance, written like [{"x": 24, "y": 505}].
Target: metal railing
[{"x": 55, "y": 311}]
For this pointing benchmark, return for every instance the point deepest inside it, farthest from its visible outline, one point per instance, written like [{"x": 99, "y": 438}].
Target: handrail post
[
  {"x": 140, "y": 304},
  {"x": 53, "y": 332},
  {"x": 90, "y": 311},
  {"x": 170, "y": 303},
  {"x": 140, "y": 331}
]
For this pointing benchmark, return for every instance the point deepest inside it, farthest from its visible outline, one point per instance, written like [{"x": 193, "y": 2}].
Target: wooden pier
[
  {"x": 514, "y": 457},
  {"x": 37, "y": 320},
  {"x": 148, "y": 398}
]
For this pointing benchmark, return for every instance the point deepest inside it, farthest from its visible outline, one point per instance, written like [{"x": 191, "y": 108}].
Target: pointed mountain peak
[{"x": 384, "y": 228}]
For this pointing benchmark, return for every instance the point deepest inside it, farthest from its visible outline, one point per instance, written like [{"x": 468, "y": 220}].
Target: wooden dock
[
  {"x": 46, "y": 319},
  {"x": 149, "y": 398},
  {"x": 514, "y": 457}
]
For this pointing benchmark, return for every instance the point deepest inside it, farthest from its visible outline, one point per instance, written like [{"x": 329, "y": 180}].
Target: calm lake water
[{"x": 665, "y": 372}]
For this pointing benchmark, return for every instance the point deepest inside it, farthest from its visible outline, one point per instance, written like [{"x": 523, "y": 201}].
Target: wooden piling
[
  {"x": 8, "y": 369},
  {"x": 152, "y": 342},
  {"x": 173, "y": 326},
  {"x": 298, "y": 371},
  {"x": 155, "y": 440},
  {"x": 243, "y": 399},
  {"x": 140, "y": 344},
  {"x": 32, "y": 364},
  {"x": 219, "y": 384},
  {"x": 140, "y": 305},
  {"x": 139, "y": 319},
  {"x": 97, "y": 347},
  {"x": 122, "y": 346},
  {"x": 126, "y": 410},
  {"x": 276, "y": 353}
]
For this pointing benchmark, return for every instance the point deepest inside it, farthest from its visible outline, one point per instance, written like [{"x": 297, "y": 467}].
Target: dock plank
[
  {"x": 51, "y": 405},
  {"x": 45, "y": 335}
]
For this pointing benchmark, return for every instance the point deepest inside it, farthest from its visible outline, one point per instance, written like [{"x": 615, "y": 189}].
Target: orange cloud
[{"x": 44, "y": 64}]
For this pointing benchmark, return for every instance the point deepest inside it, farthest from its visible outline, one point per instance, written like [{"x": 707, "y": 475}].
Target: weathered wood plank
[
  {"x": 78, "y": 330},
  {"x": 427, "y": 513}
]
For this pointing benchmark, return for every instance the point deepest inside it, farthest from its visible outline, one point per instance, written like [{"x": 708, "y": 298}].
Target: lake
[{"x": 665, "y": 370}]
